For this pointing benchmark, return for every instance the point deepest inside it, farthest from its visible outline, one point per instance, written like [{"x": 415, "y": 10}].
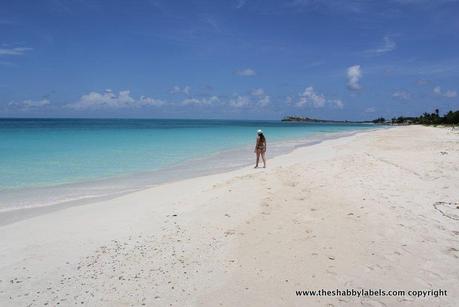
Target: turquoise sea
[{"x": 61, "y": 159}]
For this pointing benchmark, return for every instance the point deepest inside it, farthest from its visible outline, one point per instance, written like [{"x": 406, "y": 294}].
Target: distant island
[
  {"x": 450, "y": 118},
  {"x": 314, "y": 120}
]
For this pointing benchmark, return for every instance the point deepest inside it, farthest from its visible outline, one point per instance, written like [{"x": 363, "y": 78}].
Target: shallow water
[{"x": 49, "y": 161}]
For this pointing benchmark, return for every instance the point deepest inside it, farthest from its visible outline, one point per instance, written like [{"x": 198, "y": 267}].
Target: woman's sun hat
[{"x": 259, "y": 131}]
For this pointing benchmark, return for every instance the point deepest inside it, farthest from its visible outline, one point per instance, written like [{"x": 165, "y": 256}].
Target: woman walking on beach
[{"x": 260, "y": 148}]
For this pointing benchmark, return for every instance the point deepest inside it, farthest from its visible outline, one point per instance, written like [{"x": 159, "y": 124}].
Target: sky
[{"x": 233, "y": 59}]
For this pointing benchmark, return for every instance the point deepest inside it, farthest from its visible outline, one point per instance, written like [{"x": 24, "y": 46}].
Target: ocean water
[{"x": 46, "y": 161}]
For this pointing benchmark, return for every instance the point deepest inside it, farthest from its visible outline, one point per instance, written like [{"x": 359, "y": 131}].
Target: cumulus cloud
[
  {"x": 246, "y": 72},
  {"x": 206, "y": 101},
  {"x": 30, "y": 104},
  {"x": 448, "y": 93},
  {"x": 14, "y": 51},
  {"x": 181, "y": 90},
  {"x": 337, "y": 103},
  {"x": 404, "y": 95},
  {"x": 354, "y": 74},
  {"x": 148, "y": 101},
  {"x": 110, "y": 100},
  {"x": 262, "y": 99},
  {"x": 257, "y": 92},
  {"x": 387, "y": 46},
  {"x": 256, "y": 98},
  {"x": 311, "y": 98},
  {"x": 239, "y": 102}
]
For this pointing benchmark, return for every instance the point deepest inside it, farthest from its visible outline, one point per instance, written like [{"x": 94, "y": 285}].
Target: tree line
[{"x": 450, "y": 118}]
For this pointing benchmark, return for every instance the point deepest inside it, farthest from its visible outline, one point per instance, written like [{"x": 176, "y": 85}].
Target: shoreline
[
  {"x": 114, "y": 187},
  {"x": 356, "y": 212}
]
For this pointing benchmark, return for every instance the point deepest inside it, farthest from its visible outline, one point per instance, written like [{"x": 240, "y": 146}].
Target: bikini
[{"x": 261, "y": 145}]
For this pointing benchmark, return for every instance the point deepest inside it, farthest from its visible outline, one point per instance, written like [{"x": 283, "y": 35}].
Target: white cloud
[
  {"x": 148, "y": 101},
  {"x": 354, "y": 73},
  {"x": 448, "y": 93},
  {"x": 337, "y": 103},
  {"x": 110, "y": 100},
  {"x": 240, "y": 3},
  {"x": 310, "y": 97},
  {"x": 239, "y": 101},
  {"x": 201, "y": 102},
  {"x": 107, "y": 99},
  {"x": 193, "y": 101},
  {"x": 35, "y": 104},
  {"x": 257, "y": 92},
  {"x": 246, "y": 72},
  {"x": 387, "y": 46},
  {"x": 402, "y": 95},
  {"x": 30, "y": 104},
  {"x": 257, "y": 96},
  {"x": 262, "y": 99},
  {"x": 181, "y": 90},
  {"x": 213, "y": 99},
  {"x": 14, "y": 51}
]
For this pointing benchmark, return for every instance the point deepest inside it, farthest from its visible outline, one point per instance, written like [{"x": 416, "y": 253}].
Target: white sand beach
[{"x": 376, "y": 210}]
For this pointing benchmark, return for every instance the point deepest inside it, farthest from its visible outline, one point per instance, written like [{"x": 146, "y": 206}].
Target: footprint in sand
[
  {"x": 229, "y": 232},
  {"x": 453, "y": 251},
  {"x": 449, "y": 210},
  {"x": 367, "y": 302}
]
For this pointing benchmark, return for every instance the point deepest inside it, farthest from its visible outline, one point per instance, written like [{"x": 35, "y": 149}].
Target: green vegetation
[{"x": 450, "y": 118}]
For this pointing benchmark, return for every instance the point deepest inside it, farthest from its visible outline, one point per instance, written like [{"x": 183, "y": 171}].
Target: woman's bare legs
[
  {"x": 264, "y": 159},
  {"x": 258, "y": 157}
]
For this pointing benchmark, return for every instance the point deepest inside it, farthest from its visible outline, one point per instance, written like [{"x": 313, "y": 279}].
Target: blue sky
[{"x": 241, "y": 59}]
